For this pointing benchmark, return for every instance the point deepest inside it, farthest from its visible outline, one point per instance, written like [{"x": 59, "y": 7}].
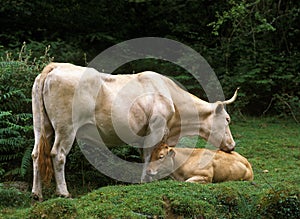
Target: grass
[{"x": 273, "y": 148}]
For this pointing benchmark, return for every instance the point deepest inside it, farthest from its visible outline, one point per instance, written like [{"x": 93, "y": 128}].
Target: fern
[
  {"x": 26, "y": 161},
  {"x": 17, "y": 73},
  {"x": 15, "y": 122},
  {"x": 14, "y": 143}
]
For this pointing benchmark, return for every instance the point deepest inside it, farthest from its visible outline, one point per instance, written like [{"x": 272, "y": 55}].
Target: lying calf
[{"x": 198, "y": 165}]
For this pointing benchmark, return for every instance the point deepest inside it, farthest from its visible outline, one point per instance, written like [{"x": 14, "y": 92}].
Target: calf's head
[{"x": 161, "y": 161}]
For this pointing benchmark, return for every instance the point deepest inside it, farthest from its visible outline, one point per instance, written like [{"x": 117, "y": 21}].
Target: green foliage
[
  {"x": 237, "y": 15},
  {"x": 12, "y": 198},
  {"x": 13, "y": 139},
  {"x": 288, "y": 105},
  {"x": 252, "y": 35},
  {"x": 16, "y": 132},
  {"x": 281, "y": 203},
  {"x": 250, "y": 44}
]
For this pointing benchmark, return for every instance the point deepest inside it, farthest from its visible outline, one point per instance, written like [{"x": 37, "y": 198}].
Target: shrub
[
  {"x": 16, "y": 136},
  {"x": 13, "y": 198},
  {"x": 280, "y": 203}
]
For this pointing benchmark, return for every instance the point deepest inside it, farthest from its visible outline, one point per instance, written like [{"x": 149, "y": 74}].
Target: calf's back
[{"x": 231, "y": 166}]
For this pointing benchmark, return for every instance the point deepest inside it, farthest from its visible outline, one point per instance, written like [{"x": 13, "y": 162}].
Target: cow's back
[
  {"x": 126, "y": 104},
  {"x": 118, "y": 105}
]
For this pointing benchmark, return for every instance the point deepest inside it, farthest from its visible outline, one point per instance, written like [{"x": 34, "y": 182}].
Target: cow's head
[
  {"x": 161, "y": 160},
  {"x": 215, "y": 128}
]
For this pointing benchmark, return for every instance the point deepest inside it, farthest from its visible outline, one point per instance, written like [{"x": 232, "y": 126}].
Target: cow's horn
[{"x": 232, "y": 98}]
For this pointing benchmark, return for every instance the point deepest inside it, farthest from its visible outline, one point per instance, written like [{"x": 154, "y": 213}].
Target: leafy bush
[
  {"x": 16, "y": 132},
  {"x": 280, "y": 203},
  {"x": 253, "y": 59},
  {"x": 14, "y": 143},
  {"x": 288, "y": 105},
  {"x": 13, "y": 198}
]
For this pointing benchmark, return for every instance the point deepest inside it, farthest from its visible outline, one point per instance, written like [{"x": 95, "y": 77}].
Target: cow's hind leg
[
  {"x": 59, "y": 152},
  {"x": 37, "y": 181}
]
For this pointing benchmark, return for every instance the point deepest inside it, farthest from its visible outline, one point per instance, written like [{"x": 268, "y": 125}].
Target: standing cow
[{"x": 139, "y": 109}]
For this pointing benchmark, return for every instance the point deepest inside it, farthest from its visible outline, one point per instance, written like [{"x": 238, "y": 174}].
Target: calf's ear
[{"x": 171, "y": 153}]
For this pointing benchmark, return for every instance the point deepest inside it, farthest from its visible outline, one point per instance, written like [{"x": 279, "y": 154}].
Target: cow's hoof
[
  {"x": 146, "y": 179},
  {"x": 36, "y": 198},
  {"x": 69, "y": 196}
]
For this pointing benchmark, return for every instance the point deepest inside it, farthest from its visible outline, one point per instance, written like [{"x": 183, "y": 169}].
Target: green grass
[{"x": 271, "y": 145}]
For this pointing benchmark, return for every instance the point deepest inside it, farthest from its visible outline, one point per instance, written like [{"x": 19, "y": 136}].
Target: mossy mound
[
  {"x": 172, "y": 199},
  {"x": 282, "y": 202}
]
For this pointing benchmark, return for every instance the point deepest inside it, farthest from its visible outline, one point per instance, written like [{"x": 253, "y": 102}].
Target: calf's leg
[{"x": 199, "y": 179}]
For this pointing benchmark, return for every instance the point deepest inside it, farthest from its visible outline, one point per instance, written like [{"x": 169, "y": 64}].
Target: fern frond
[
  {"x": 15, "y": 171},
  {"x": 26, "y": 161},
  {"x": 4, "y": 114},
  {"x": 8, "y": 157},
  {"x": 11, "y": 93},
  {"x": 9, "y": 143},
  {"x": 15, "y": 126},
  {"x": 8, "y": 132}
]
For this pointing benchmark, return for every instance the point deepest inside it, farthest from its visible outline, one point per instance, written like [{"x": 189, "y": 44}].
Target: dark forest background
[{"x": 252, "y": 44}]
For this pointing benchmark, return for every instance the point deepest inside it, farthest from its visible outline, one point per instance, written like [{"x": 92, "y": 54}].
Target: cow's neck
[{"x": 191, "y": 117}]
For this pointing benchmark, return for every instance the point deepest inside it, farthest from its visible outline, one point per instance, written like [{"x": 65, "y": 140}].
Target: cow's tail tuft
[
  {"x": 44, "y": 157},
  {"x": 44, "y": 160}
]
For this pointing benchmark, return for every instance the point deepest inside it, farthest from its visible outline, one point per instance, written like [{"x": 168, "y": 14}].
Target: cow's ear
[
  {"x": 171, "y": 153},
  {"x": 219, "y": 108}
]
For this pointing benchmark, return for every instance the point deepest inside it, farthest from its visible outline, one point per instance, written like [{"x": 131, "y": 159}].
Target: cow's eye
[{"x": 228, "y": 120}]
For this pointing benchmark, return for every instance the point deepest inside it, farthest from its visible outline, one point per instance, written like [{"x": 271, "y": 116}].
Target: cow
[
  {"x": 139, "y": 109},
  {"x": 198, "y": 165}
]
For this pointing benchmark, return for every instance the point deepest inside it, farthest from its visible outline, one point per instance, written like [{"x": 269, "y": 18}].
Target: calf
[{"x": 198, "y": 165}]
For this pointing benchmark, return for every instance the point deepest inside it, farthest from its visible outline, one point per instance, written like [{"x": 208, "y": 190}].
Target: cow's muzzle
[{"x": 228, "y": 147}]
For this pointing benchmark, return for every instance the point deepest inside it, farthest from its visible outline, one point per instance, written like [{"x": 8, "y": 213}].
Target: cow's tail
[{"x": 44, "y": 147}]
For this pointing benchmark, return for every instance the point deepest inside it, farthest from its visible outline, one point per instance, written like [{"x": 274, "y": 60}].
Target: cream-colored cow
[
  {"x": 198, "y": 165},
  {"x": 139, "y": 109}
]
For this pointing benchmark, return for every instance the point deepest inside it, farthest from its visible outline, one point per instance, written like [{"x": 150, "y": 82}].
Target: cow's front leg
[
  {"x": 146, "y": 155},
  {"x": 157, "y": 133}
]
